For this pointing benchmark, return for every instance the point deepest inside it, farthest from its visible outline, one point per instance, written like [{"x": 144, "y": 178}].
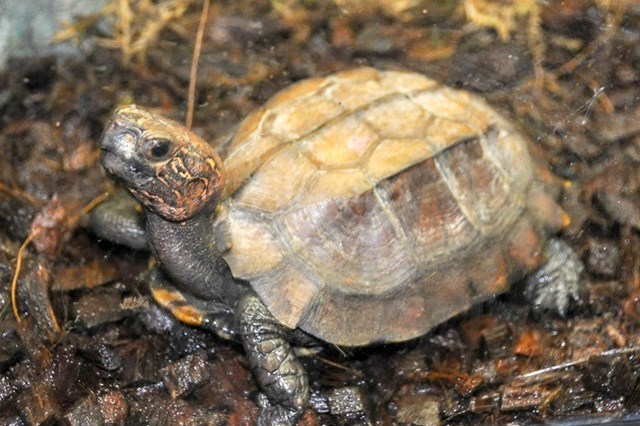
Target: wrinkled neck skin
[{"x": 186, "y": 251}]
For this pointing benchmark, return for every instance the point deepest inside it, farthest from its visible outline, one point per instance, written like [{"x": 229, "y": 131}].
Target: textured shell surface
[{"x": 369, "y": 206}]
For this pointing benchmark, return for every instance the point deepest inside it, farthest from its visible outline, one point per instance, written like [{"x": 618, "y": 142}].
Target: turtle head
[{"x": 169, "y": 169}]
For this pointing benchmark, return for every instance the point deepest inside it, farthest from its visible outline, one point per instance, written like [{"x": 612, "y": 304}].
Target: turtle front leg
[
  {"x": 119, "y": 220},
  {"x": 213, "y": 316},
  {"x": 557, "y": 282},
  {"x": 279, "y": 372}
]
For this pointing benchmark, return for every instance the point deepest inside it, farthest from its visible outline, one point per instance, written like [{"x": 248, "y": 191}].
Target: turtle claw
[
  {"x": 275, "y": 414},
  {"x": 556, "y": 284},
  {"x": 222, "y": 325}
]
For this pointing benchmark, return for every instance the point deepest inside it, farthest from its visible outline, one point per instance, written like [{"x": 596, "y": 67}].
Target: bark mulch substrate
[{"x": 92, "y": 348}]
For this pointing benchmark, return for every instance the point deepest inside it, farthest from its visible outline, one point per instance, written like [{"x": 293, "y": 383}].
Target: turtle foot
[
  {"x": 276, "y": 415},
  {"x": 556, "y": 284}
]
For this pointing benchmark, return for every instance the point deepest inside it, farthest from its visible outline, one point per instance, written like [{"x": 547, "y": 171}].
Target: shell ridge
[
  {"x": 488, "y": 153},
  {"x": 383, "y": 196},
  {"x": 295, "y": 259},
  {"x": 517, "y": 196},
  {"x": 226, "y": 226},
  {"x": 450, "y": 180},
  {"x": 268, "y": 156}
]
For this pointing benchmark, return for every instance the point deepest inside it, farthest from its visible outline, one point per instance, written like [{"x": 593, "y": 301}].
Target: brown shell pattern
[{"x": 369, "y": 206}]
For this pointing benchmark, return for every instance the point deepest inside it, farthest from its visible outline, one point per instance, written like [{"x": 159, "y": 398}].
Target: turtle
[{"x": 363, "y": 207}]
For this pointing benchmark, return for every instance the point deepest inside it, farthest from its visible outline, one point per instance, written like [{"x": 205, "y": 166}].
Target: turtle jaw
[
  {"x": 118, "y": 156},
  {"x": 130, "y": 175}
]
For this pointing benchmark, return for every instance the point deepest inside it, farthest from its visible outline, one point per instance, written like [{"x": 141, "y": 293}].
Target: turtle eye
[{"x": 157, "y": 149}]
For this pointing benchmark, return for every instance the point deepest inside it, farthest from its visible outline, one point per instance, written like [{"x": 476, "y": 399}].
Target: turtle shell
[{"x": 369, "y": 206}]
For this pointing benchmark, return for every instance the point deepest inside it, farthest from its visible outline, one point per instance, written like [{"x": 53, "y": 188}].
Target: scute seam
[{"x": 383, "y": 197}]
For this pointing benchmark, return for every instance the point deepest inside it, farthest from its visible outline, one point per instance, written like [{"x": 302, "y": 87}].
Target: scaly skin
[
  {"x": 116, "y": 220},
  {"x": 279, "y": 372}
]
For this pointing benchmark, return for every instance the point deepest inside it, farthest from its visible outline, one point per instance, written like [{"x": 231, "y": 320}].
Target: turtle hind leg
[
  {"x": 209, "y": 315},
  {"x": 279, "y": 372},
  {"x": 556, "y": 284}
]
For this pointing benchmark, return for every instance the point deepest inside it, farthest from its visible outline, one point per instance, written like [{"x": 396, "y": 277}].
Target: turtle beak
[
  {"x": 118, "y": 153},
  {"x": 117, "y": 148}
]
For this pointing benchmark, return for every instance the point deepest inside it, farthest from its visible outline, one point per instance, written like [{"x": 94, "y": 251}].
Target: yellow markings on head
[
  {"x": 217, "y": 170},
  {"x": 213, "y": 165},
  {"x": 175, "y": 303},
  {"x": 178, "y": 168}
]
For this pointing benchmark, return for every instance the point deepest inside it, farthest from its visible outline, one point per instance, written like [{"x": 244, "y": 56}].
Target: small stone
[
  {"x": 186, "y": 374},
  {"x": 38, "y": 404},
  {"x": 348, "y": 400},
  {"x": 625, "y": 73},
  {"x": 419, "y": 410},
  {"x": 624, "y": 97},
  {"x": 152, "y": 408},
  {"x": 102, "y": 354},
  {"x": 9, "y": 350},
  {"x": 85, "y": 412},
  {"x": 114, "y": 407},
  {"x": 7, "y": 389},
  {"x": 99, "y": 307},
  {"x": 140, "y": 361},
  {"x": 609, "y": 375},
  {"x": 603, "y": 258}
]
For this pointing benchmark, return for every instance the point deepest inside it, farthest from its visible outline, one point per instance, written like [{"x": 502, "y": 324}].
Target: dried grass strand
[
  {"x": 194, "y": 63},
  {"x": 16, "y": 275}
]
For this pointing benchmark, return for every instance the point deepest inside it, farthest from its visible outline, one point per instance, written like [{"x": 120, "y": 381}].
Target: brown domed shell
[{"x": 369, "y": 206}]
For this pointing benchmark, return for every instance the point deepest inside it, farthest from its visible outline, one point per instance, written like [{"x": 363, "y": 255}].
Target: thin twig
[
  {"x": 16, "y": 275},
  {"x": 194, "y": 63},
  {"x": 335, "y": 364},
  {"x": 94, "y": 203},
  {"x": 566, "y": 365},
  {"x": 611, "y": 25},
  {"x": 16, "y": 193}
]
